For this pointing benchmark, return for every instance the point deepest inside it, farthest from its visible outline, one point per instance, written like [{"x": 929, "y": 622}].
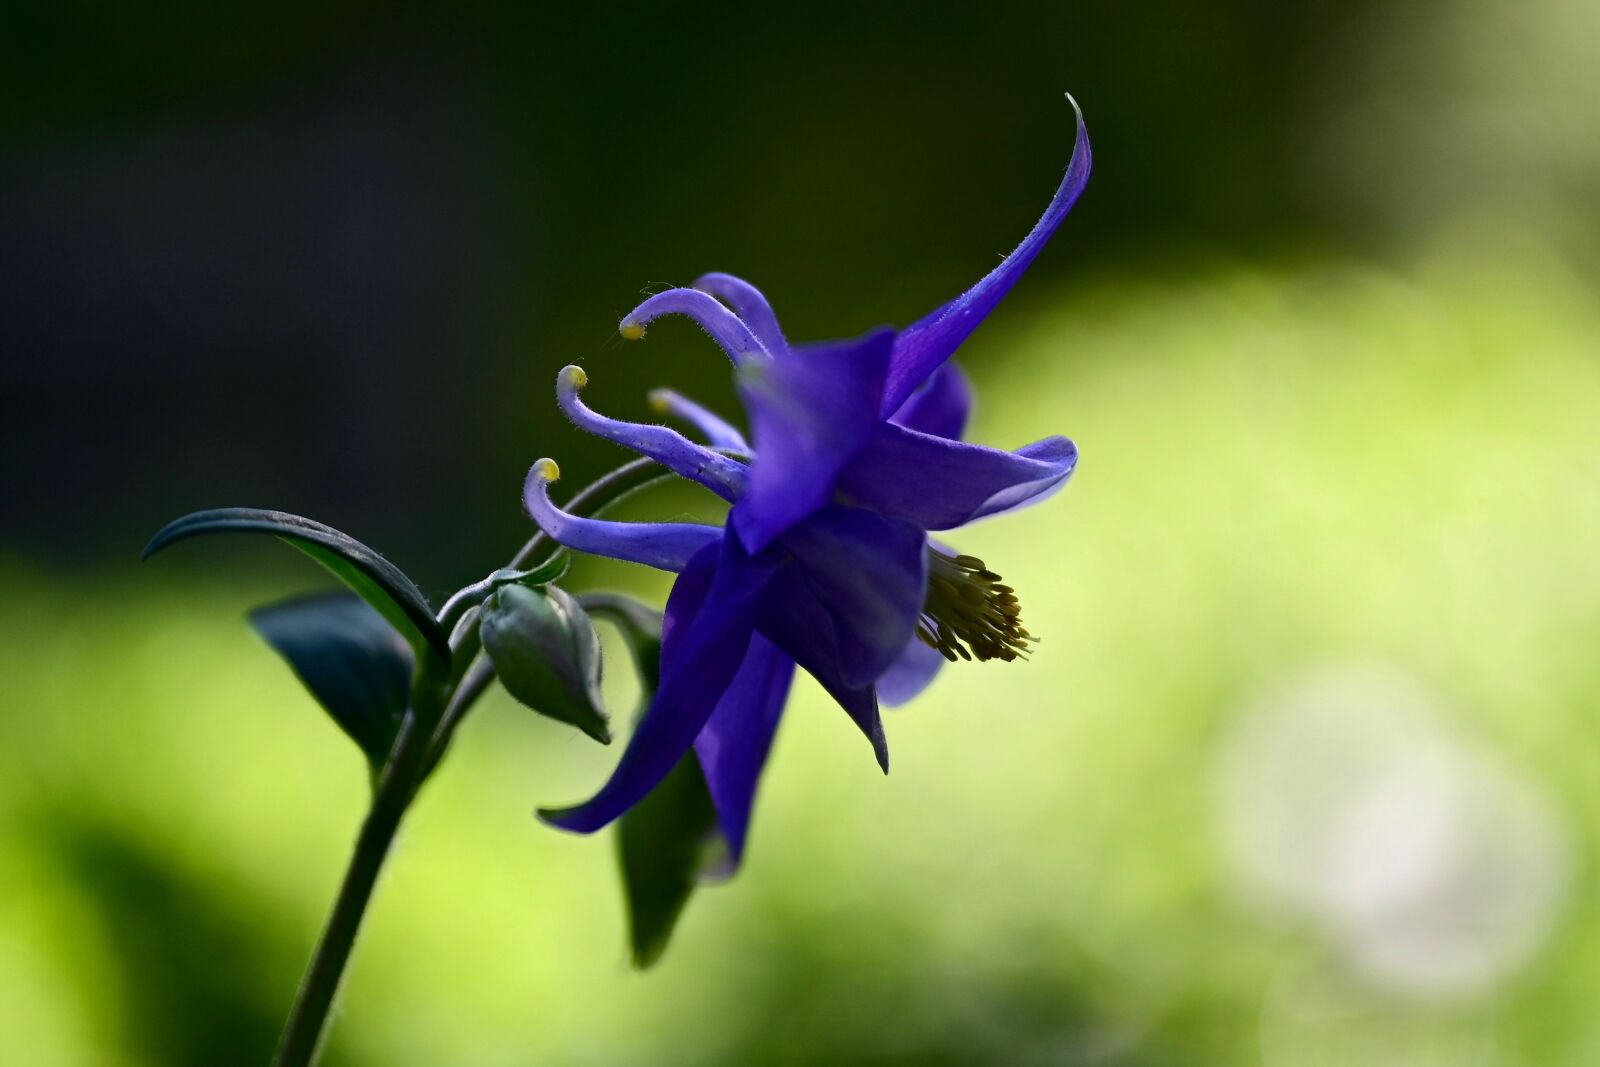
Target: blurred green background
[{"x": 1303, "y": 772}]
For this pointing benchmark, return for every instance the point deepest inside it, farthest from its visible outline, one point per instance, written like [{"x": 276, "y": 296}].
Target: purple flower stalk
[{"x": 825, "y": 560}]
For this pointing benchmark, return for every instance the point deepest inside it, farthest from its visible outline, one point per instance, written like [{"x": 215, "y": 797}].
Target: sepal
[{"x": 464, "y": 600}]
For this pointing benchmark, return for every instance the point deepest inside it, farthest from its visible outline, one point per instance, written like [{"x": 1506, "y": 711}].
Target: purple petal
[
  {"x": 723, "y": 325},
  {"x": 844, "y": 606},
  {"x": 718, "y": 431},
  {"x": 869, "y": 573},
  {"x": 687, "y": 597},
  {"x": 910, "y": 674},
  {"x": 941, "y": 407},
  {"x": 928, "y": 342},
  {"x": 711, "y": 622},
  {"x": 666, "y": 545},
  {"x": 940, "y": 484},
  {"x": 734, "y": 743},
  {"x": 749, "y": 304},
  {"x": 810, "y": 412},
  {"x": 862, "y": 707},
  {"x": 668, "y": 447},
  {"x": 792, "y": 618}
]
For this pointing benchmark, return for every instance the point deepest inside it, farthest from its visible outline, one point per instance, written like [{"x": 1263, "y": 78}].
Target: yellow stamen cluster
[{"x": 969, "y": 614}]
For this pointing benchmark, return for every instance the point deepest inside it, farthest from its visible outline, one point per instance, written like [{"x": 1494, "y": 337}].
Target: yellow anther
[
  {"x": 631, "y": 331},
  {"x": 547, "y": 470},
  {"x": 660, "y": 401},
  {"x": 969, "y": 613},
  {"x": 574, "y": 376}
]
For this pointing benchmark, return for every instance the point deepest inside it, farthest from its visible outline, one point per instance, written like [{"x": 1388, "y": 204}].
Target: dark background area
[{"x": 328, "y": 258}]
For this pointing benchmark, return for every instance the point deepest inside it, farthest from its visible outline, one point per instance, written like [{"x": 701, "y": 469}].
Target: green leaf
[
  {"x": 356, "y": 665},
  {"x": 546, "y": 653},
  {"x": 670, "y": 841},
  {"x": 666, "y": 844},
  {"x": 373, "y": 578}
]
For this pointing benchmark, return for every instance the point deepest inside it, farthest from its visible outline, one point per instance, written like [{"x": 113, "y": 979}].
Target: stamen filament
[{"x": 969, "y": 614}]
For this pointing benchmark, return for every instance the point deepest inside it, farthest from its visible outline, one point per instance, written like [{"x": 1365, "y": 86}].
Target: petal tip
[
  {"x": 753, "y": 533},
  {"x": 559, "y": 818},
  {"x": 572, "y": 376},
  {"x": 631, "y": 331}
]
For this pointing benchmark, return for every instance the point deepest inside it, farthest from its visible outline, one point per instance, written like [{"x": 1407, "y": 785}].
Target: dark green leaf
[
  {"x": 376, "y": 580},
  {"x": 666, "y": 843},
  {"x": 350, "y": 658},
  {"x": 546, "y": 654},
  {"x": 670, "y": 841}
]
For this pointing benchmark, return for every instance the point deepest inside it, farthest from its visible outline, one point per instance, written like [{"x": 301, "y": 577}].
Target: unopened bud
[{"x": 546, "y": 653}]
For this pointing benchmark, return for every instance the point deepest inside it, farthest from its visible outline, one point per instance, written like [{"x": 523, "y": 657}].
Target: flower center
[{"x": 969, "y": 614}]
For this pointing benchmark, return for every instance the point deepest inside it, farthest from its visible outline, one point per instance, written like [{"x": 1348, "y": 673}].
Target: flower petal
[
  {"x": 844, "y": 606},
  {"x": 928, "y": 342},
  {"x": 940, "y": 484},
  {"x": 749, "y": 304},
  {"x": 910, "y": 674},
  {"x": 724, "y": 326},
  {"x": 718, "y": 431},
  {"x": 869, "y": 573},
  {"x": 792, "y": 618},
  {"x": 665, "y": 545},
  {"x": 941, "y": 407},
  {"x": 668, "y": 447},
  {"x": 862, "y": 707},
  {"x": 810, "y": 413},
  {"x": 710, "y": 614},
  {"x": 734, "y": 742}
]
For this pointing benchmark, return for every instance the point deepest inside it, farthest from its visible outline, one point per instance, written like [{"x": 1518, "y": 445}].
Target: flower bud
[{"x": 546, "y": 653}]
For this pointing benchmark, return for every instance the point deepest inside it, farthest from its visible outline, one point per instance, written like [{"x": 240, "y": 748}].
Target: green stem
[{"x": 308, "y": 1019}]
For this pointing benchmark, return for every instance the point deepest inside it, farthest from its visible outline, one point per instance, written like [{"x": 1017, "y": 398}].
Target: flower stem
[{"x": 308, "y": 1019}]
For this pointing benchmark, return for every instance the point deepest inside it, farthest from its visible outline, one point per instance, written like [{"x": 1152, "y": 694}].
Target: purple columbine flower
[{"x": 825, "y": 560}]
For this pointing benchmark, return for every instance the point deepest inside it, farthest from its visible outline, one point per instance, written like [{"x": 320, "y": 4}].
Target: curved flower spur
[{"x": 825, "y": 560}]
